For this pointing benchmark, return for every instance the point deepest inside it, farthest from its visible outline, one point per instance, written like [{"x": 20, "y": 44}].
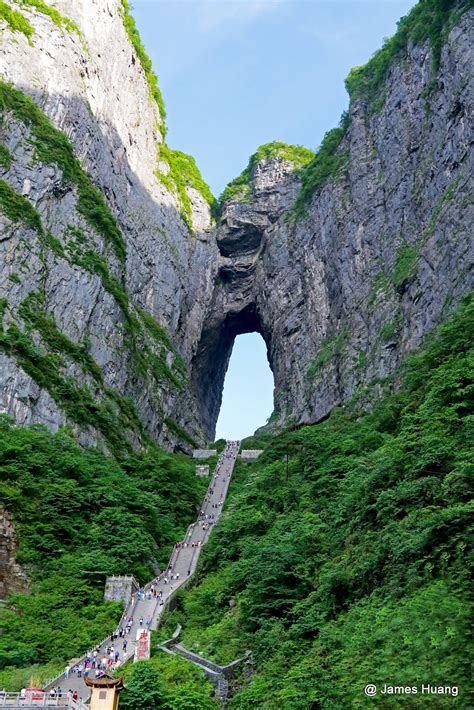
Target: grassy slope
[
  {"x": 354, "y": 570},
  {"x": 80, "y": 515}
]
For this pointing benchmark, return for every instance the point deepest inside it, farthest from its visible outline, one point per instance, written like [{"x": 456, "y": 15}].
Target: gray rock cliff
[
  {"x": 94, "y": 90},
  {"x": 382, "y": 254},
  {"x": 119, "y": 320}
]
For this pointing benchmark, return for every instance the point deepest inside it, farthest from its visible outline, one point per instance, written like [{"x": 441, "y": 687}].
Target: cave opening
[{"x": 249, "y": 390}]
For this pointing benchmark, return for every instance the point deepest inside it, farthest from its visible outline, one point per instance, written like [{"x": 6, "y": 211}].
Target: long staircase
[{"x": 145, "y": 608}]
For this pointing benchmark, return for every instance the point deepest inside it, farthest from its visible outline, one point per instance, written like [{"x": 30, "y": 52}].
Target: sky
[{"x": 238, "y": 73}]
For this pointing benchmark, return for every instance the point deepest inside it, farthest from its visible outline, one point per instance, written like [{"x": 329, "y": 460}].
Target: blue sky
[{"x": 236, "y": 74}]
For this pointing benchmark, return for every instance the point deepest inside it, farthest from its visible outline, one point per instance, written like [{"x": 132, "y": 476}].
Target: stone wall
[
  {"x": 204, "y": 453},
  {"x": 120, "y": 589}
]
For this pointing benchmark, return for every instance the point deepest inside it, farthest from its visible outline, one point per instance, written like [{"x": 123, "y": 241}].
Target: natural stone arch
[{"x": 212, "y": 359}]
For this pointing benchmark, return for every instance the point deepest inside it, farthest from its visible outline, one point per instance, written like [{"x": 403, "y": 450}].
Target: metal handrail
[{"x": 19, "y": 700}]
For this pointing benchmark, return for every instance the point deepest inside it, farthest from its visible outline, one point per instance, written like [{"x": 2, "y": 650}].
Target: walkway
[{"x": 147, "y": 608}]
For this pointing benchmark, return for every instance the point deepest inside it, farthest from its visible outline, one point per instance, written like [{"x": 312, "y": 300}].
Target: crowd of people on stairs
[{"x": 147, "y": 605}]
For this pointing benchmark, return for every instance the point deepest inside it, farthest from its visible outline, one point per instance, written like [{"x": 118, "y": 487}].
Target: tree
[
  {"x": 188, "y": 698},
  {"x": 144, "y": 689}
]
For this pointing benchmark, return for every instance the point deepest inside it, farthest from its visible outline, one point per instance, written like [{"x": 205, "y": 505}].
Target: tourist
[{"x": 67, "y": 671}]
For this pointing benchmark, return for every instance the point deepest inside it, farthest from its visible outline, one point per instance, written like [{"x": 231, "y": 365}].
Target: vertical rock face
[
  {"x": 382, "y": 255},
  {"x": 120, "y": 321},
  {"x": 12, "y": 577},
  {"x": 92, "y": 86}
]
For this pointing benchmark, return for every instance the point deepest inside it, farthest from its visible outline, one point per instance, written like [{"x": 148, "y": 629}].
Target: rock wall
[
  {"x": 382, "y": 255},
  {"x": 93, "y": 88},
  {"x": 12, "y": 577},
  {"x": 119, "y": 321},
  {"x": 120, "y": 589}
]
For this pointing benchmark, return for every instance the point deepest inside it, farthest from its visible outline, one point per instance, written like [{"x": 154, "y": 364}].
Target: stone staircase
[{"x": 183, "y": 561}]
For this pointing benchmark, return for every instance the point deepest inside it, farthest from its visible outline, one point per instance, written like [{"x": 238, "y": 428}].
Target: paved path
[{"x": 181, "y": 567}]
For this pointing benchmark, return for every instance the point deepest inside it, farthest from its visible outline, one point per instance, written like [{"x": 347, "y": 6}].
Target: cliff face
[
  {"x": 382, "y": 253},
  {"x": 12, "y": 577},
  {"x": 119, "y": 320},
  {"x": 87, "y": 279}
]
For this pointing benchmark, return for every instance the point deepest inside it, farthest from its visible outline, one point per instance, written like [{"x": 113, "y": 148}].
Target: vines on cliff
[
  {"x": 52, "y": 147},
  {"x": 145, "y": 61},
  {"x": 17, "y": 22}
]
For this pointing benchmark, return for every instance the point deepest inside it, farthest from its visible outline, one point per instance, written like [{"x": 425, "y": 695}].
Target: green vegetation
[
  {"x": 180, "y": 432},
  {"x": 95, "y": 406},
  {"x": 183, "y": 173},
  {"x": 161, "y": 337},
  {"x": 16, "y": 21},
  {"x": 33, "y": 314},
  {"x": 406, "y": 262},
  {"x": 106, "y": 411},
  {"x": 59, "y": 20},
  {"x": 145, "y": 61},
  {"x": 149, "y": 360},
  {"x": 408, "y": 255},
  {"x": 381, "y": 285},
  {"x": 239, "y": 188},
  {"x": 326, "y": 164},
  {"x": 329, "y": 349},
  {"x": 52, "y": 147},
  {"x": 79, "y": 516},
  {"x": 168, "y": 683},
  {"x": 6, "y": 157},
  {"x": 391, "y": 329},
  {"x": 17, "y": 208},
  {"x": 428, "y": 20},
  {"x": 79, "y": 403},
  {"x": 182, "y": 169},
  {"x": 362, "y": 360},
  {"x": 447, "y": 196},
  {"x": 354, "y": 569}
]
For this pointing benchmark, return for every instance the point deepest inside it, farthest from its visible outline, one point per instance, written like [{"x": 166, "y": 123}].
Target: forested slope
[
  {"x": 79, "y": 516},
  {"x": 354, "y": 569}
]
